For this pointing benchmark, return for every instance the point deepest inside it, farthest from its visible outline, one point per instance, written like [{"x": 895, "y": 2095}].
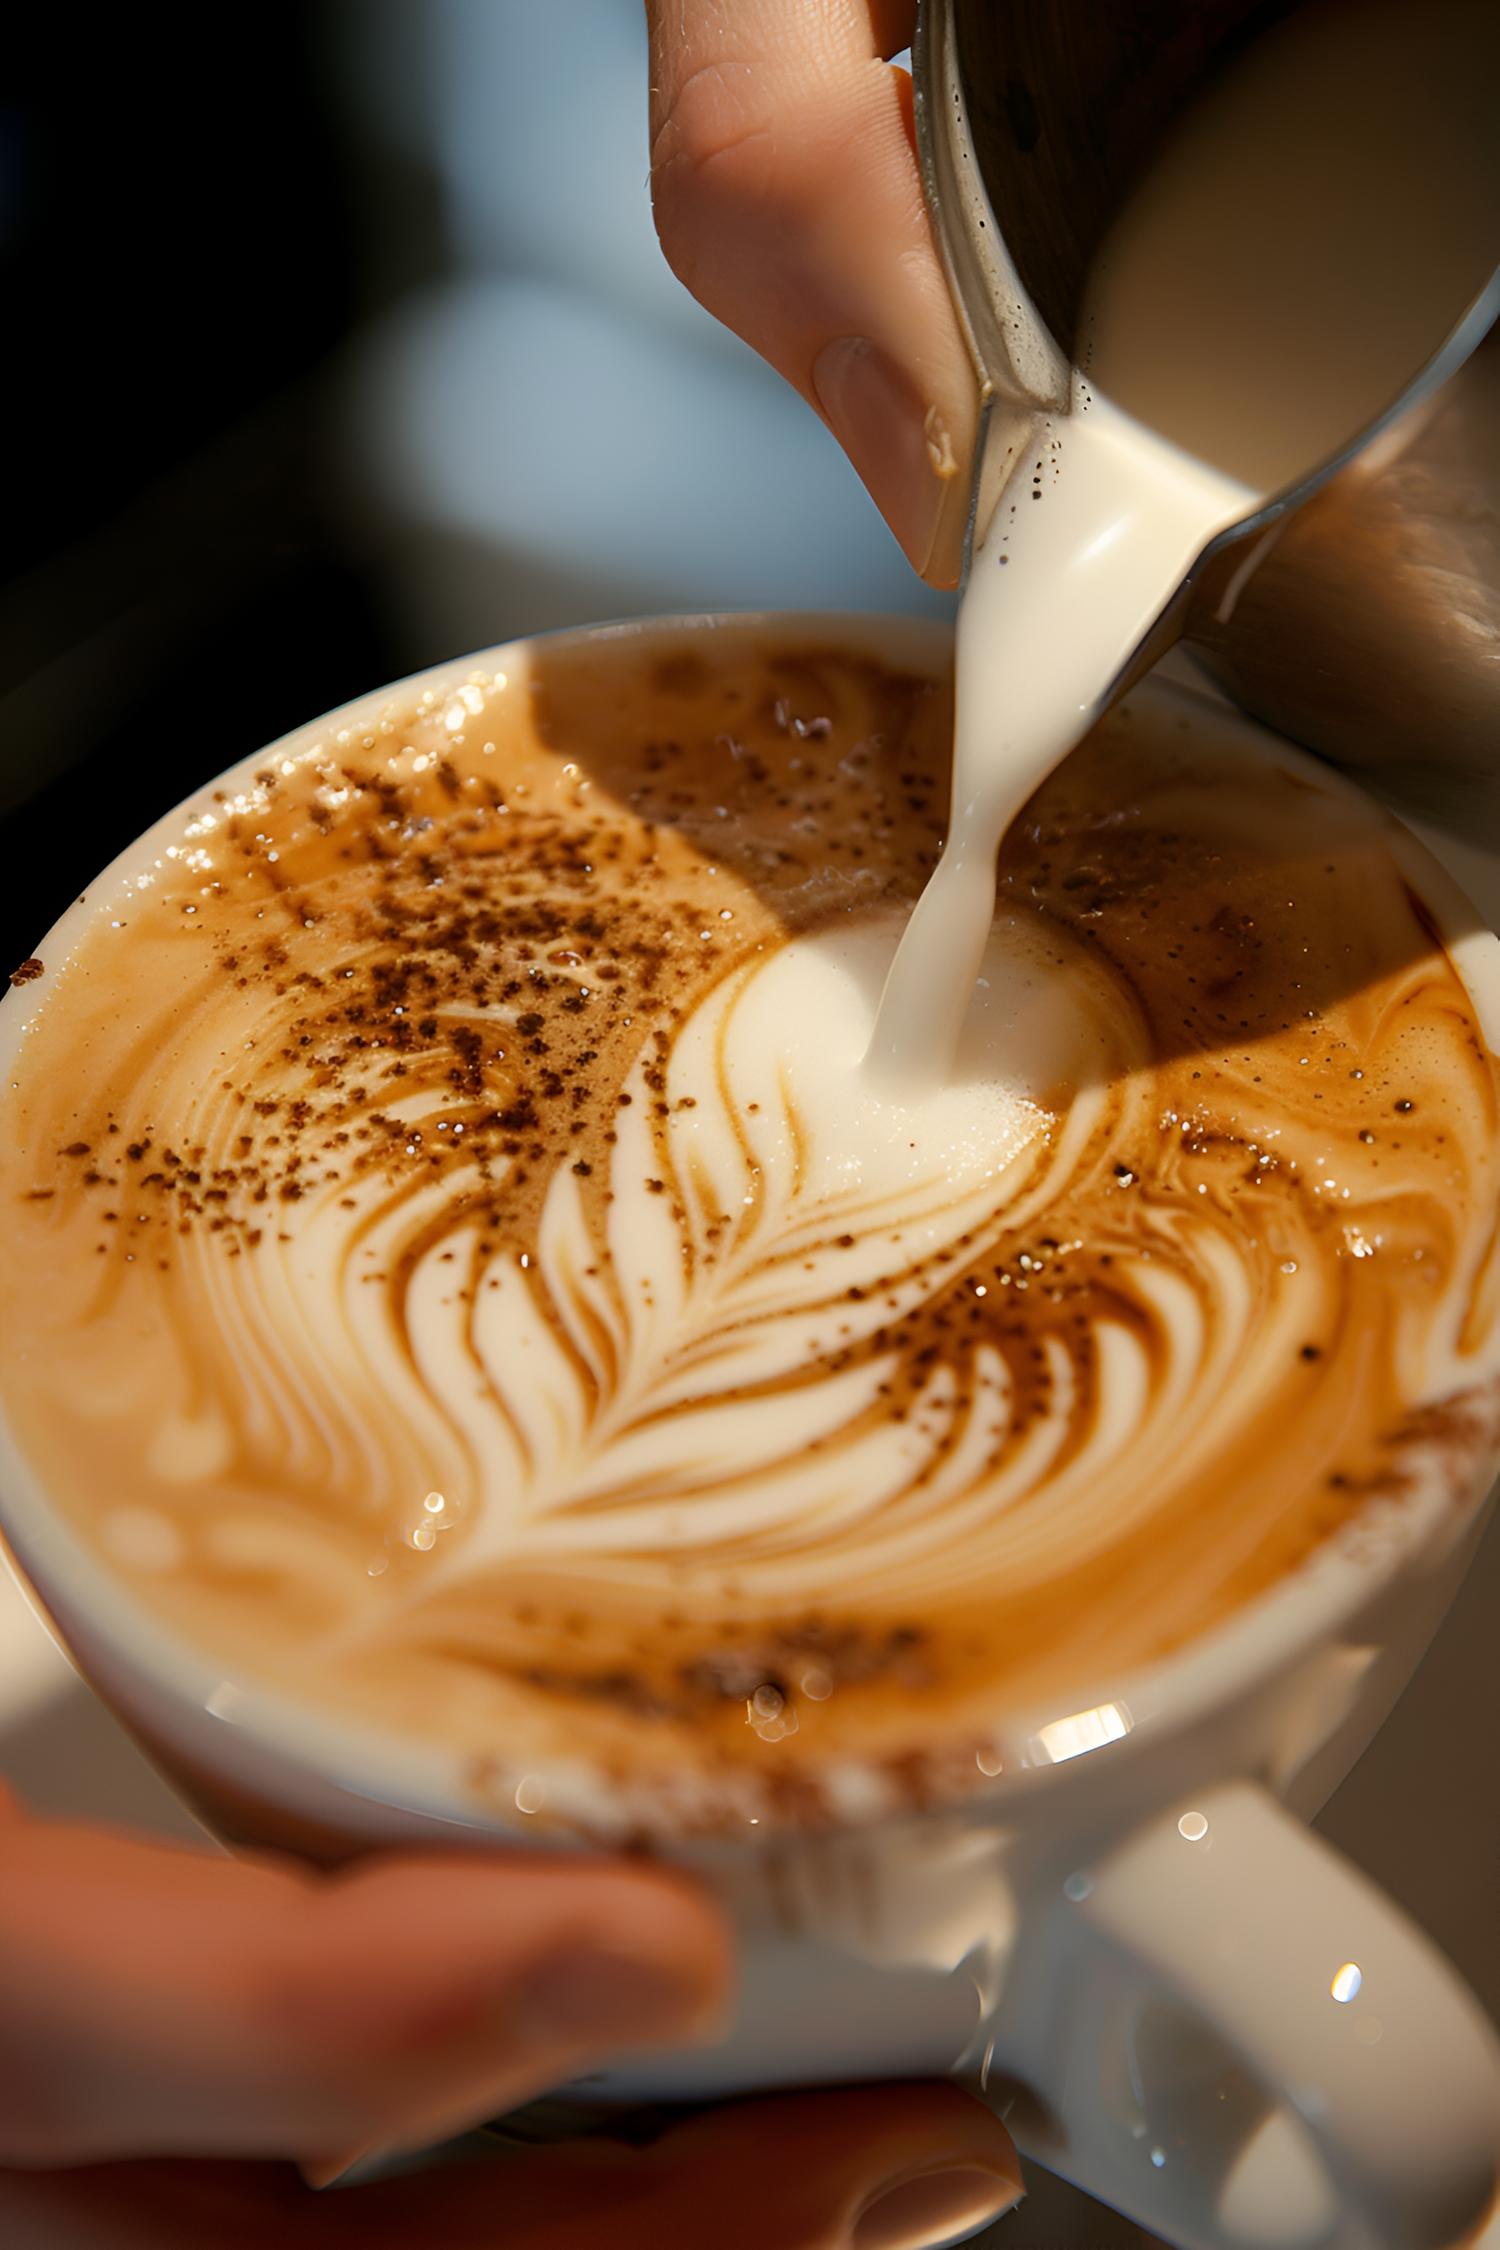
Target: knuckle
[{"x": 713, "y": 119}]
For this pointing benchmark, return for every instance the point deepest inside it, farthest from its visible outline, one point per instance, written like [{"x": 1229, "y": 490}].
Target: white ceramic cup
[{"x": 1178, "y": 1996}]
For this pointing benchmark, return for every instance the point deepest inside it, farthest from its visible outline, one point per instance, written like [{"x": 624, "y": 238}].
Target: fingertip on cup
[{"x": 599, "y": 1997}]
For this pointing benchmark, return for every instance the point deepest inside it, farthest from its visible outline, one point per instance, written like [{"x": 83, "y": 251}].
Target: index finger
[
  {"x": 155, "y": 2000},
  {"x": 785, "y": 182}
]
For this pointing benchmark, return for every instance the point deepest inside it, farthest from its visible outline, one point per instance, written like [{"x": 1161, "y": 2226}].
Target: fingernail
[
  {"x": 604, "y": 1999},
  {"x": 899, "y": 447},
  {"x": 934, "y": 2208},
  {"x": 326, "y": 2171}
]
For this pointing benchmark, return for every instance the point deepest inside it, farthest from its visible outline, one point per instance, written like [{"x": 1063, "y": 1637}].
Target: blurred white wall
[{"x": 554, "y": 430}]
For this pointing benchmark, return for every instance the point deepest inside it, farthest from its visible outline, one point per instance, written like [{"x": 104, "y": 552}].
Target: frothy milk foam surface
[{"x": 461, "y": 1275}]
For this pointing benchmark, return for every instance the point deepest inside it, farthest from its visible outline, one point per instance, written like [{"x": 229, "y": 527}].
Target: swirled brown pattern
[{"x": 458, "y": 1274}]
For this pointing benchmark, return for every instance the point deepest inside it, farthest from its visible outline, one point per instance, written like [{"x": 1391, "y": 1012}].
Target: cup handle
[{"x": 1272, "y": 2053}]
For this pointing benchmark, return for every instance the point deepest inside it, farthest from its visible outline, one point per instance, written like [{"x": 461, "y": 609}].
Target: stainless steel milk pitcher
[{"x": 1272, "y": 232}]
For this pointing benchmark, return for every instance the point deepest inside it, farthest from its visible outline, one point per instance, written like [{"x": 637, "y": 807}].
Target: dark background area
[
  {"x": 183, "y": 256},
  {"x": 337, "y": 348}
]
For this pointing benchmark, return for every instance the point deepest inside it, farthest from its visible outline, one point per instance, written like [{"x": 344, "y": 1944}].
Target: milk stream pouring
[
  {"x": 1252, "y": 309},
  {"x": 1091, "y": 536}
]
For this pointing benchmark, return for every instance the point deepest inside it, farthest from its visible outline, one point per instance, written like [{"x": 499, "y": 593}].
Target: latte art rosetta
[
  {"x": 709, "y": 1386},
  {"x": 464, "y": 1278}
]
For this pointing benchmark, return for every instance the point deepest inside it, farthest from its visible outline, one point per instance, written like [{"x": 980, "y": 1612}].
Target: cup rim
[{"x": 228, "y": 1722}]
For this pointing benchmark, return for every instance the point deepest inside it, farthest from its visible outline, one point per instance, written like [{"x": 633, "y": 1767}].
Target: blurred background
[{"x": 341, "y": 343}]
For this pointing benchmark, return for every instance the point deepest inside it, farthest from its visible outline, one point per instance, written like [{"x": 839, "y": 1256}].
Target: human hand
[
  {"x": 874, "y": 2168},
  {"x": 784, "y": 178},
  {"x": 156, "y": 2000}
]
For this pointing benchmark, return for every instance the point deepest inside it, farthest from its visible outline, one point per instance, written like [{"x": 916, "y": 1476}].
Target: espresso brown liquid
[{"x": 342, "y": 1156}]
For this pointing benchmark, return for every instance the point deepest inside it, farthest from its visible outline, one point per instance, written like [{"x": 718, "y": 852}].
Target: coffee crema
[{"x": 460, "y": 1276}]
